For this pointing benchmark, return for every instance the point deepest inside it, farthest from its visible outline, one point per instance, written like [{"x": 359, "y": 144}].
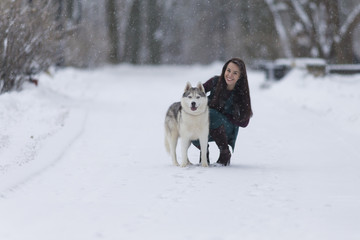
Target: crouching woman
[{"x": 230, "y": 107}]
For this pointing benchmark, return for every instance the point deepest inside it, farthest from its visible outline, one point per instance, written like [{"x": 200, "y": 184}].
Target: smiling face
[{"x": 231, "y": 75}]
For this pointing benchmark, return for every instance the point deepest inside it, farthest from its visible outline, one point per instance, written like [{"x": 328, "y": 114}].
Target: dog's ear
[
  {"x": 201, "y": 87},
  {"x": 188, "y": 86}
]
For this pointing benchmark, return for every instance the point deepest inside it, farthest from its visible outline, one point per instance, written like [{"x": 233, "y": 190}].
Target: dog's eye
[
  {"x": 197, "y": 97},
  {"x": 189, "y": 96}
]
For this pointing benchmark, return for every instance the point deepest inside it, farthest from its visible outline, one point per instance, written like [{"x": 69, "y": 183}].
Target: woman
[{"x": 230, "y": 107}]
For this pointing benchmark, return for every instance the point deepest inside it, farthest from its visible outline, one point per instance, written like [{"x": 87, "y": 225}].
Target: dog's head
[{"x": 194, "y": 100}]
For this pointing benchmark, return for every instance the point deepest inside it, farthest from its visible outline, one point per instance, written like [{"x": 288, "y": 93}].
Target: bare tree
[
  {"x": 341, "y": 48},
  {"x": 314, "y": 28}
]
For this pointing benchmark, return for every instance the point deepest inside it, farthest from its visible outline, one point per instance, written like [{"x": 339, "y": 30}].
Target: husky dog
[{"x": 189, "y": 120}]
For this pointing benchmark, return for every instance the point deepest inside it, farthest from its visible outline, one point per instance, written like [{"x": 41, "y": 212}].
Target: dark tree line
[
  {"x": 159, "y": 31},
  {"x": 36, "y": 34}
]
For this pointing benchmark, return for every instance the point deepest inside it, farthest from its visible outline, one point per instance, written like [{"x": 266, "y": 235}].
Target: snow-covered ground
[{"x": 82, "y": 157}]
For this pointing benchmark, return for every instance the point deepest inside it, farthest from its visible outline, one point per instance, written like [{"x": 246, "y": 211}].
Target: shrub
[{"x": 29, "y": 40}]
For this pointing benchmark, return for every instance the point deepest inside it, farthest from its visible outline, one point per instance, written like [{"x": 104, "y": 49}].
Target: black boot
[{"x": 220, "y": 138}]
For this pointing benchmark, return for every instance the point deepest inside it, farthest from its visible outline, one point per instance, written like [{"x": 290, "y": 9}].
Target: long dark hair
[{"x": 242, "y": 104}]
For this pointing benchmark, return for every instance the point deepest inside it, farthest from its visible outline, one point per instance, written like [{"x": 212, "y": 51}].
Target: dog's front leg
[
  {"x": 185, "y": 144},
  {"x": 203, "y": 145}
]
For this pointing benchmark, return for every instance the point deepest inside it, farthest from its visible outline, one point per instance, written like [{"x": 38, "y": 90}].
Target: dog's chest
[{"x": 193, "y": 127}]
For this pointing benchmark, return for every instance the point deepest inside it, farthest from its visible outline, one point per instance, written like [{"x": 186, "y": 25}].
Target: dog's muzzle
[{"x": 193, "y": 106}]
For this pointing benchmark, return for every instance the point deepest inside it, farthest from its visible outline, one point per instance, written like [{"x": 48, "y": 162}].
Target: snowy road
[{"x": 105, "y": 174}]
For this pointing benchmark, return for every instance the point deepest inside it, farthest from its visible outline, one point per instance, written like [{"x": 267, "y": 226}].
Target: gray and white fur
[{"x": 188, "y": 120}]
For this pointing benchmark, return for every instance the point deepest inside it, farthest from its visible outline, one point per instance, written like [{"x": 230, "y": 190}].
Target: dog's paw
[
  {"x": 176, "y": 163},
  {"x": 184, "y": 164},
  {"x": 205, "y": 164}
]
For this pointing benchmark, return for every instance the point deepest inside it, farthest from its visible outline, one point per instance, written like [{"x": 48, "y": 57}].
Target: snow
[
  {"x": 300, "y": 62},
  {"x": 344, "y": 67},
  {"x": 82, "y": 157}
]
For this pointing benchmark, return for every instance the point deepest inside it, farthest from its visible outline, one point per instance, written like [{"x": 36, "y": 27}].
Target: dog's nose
[{"x": 193, "y": 104}]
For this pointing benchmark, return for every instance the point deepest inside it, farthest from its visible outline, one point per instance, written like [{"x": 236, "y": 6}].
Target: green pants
[{"x": 216, "y": 120}]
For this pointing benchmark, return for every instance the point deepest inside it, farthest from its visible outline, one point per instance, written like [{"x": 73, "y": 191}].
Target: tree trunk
[
  {"x": 343, "y": 51},
  {"x": 112, "y": 23},
  {"x": 280, "y": 28},
  {"x": 69, "y": 8},
  {"x": 154, "y": 36},
  {"x": 133, "y": 34}
]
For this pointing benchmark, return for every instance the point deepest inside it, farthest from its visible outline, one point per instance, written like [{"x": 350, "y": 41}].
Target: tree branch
[
  {"x": 280, "y": 28},
  {"x": 351, "y": 22}
]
